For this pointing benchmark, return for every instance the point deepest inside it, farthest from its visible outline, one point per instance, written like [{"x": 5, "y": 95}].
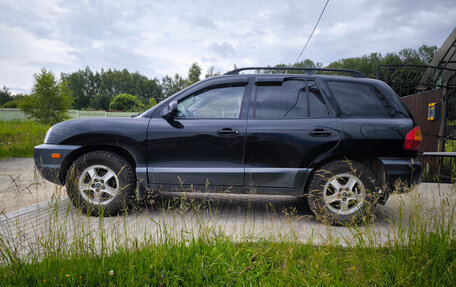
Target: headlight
[{"x": 47, "y": 134}]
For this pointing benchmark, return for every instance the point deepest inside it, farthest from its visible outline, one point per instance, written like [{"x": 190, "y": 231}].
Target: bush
[
  {"x": 11, "y": 104},
  {"x": 126, "y": 103}
]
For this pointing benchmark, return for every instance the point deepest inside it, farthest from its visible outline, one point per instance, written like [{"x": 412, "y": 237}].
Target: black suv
[{"x": 343, "y": 141}]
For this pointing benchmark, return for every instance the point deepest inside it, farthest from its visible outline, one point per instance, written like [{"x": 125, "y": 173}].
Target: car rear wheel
[
  {"x": 101, "y": 181},
  {"x": 342, "y": 192}
]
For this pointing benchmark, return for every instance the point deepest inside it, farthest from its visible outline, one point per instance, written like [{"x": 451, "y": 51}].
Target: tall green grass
[
  {"x": 18, "y": 138},
  {"x": 76, "y": 250},
  {"x": 222, "y": 262}
]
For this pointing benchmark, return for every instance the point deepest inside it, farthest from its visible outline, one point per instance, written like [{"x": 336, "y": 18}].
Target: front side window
[
  {"x": 217, "y": 103},
  {"x": 292, "y": 99}
]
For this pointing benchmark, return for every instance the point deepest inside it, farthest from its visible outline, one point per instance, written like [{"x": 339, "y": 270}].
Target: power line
[{"x": 308, "y": 40}]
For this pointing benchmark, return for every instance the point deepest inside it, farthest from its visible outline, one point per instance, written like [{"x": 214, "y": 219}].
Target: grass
[
  {"x": 76, "y": 250},
  {"x": 222, "y": 262},
  {"x": 18, "y": 138}
]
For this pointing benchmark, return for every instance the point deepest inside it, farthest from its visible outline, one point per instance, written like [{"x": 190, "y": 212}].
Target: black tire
[
  {"x": 342, "y": 192},
  {"x": 88, "y": 190}
]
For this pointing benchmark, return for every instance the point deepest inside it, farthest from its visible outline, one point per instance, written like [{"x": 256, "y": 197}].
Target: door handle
[
  {"x": 227, "y": 132},
  {"x": 320, "y": 133}
]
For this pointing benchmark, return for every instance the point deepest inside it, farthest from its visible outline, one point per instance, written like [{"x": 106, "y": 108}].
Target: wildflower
[
  {"x": 44, "y": 280},
  {"x": 67, "y": 275},
  {"x": 111, "y": 272},
  {"x": 80, "y": 277}
]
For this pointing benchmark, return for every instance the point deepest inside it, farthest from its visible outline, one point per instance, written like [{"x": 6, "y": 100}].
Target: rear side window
[
  {"x": 356, "y": 99},
  {"x": 290, "y": 99}
]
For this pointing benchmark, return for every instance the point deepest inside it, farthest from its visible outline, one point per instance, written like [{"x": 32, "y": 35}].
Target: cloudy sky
[{"x": 157, "y": 38}]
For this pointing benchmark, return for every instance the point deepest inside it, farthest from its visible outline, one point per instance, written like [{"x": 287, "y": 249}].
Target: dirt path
[{"x": 22, "y": 186}]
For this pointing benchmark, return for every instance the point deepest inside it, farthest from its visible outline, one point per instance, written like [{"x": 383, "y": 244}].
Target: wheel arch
[
  {"x": 373, "y": 163},
  {"x": 68, "y": 161}
]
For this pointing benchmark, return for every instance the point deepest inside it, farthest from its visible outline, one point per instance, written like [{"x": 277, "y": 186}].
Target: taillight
[{"x": 413, "y": 139}]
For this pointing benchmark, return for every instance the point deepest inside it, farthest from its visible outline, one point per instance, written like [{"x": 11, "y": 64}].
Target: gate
[{"x": 419, "y": 86}]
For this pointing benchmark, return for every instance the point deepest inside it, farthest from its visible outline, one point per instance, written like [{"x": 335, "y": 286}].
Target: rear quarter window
[{"x": 359, "y": 100}]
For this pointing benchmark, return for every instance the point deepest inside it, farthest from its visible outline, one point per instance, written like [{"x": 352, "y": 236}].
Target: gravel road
[{"x": 22, "y": 186}]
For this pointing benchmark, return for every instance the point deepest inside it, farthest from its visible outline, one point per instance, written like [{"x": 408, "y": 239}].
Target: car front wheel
[
  {"x": 342, "y": 192},
  {"x": 100, "y": 181}
]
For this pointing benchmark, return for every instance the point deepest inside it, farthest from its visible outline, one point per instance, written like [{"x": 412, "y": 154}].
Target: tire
[
  {"x": 101, "y": 182},
  {"x": 342, "y": 192}
]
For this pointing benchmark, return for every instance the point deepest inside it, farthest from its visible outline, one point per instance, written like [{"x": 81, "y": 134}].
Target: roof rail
[{"x": 355, "y": 74}]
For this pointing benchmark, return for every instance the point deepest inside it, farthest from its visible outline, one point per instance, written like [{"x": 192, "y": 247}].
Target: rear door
[{"x": 289, "y": 125}]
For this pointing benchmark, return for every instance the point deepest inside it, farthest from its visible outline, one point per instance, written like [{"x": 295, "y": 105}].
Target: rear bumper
[
  {"x": 47, "y": 166},
  {"x": 402, "y": 172}
]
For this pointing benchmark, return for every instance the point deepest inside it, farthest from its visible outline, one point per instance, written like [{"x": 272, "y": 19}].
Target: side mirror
[{"x": 171, "y": 111}]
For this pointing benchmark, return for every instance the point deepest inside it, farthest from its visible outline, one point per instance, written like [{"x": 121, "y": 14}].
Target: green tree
[
  {"x": 172, "y": 85},
  {"x": 194, "y": 74},
  {"x": 49, "y": 101},
  {"x": 95, "y": 90},
  {"x": 100, "y": 102},
  {"x": 426, "y": 53},
  {"x": 210, "y": 73},
  {"x": 84, "y": 87},
  {"x": 152, "y": 103},
  {"x": 5, "y": 96},
  {"x": 126, "y": 103},
  {"x": 366, "y": 64}
]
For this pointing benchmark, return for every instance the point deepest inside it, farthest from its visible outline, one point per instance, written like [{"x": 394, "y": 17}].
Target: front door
[{"x": 204, "y": 144}]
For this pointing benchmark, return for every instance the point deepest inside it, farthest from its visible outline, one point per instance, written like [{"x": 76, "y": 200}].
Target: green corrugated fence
[{"x": 9, "y": 114}]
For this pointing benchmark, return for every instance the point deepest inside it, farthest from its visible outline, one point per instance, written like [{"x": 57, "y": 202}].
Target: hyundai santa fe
[{"x": 345, "y": 142}]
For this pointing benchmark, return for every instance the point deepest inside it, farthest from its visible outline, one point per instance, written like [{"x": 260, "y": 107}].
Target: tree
[
  {"x": 49, "y": 101},
  {"x": 5, "y": 96},
  {"x": 152, "y": 103},
  {"x": 194, "y": 73},
  {"x": 427, "y": 53},
  {"x": 83, "y": 85},
  {"x": 95, "y": 90},
  {"x": 210, "y": 73},
  {"x": 100, "y": 102},
  {"x": 172, "y": 85},
  {"x": 368, "y": 64},
  {"x": 126, "y": 103}
]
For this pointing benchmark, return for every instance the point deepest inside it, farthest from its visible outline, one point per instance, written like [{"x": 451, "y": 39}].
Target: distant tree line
[
  {"x": 122, "y": 90},
  {"x": 368, "y": 64}
]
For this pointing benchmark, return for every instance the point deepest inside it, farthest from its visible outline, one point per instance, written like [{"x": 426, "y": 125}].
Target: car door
[
  {"x": 289, "y": 126},
  {"x": 204, "y": 144}
]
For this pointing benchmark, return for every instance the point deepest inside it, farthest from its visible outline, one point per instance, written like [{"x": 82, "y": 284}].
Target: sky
[{"x": 158, "y": 38}]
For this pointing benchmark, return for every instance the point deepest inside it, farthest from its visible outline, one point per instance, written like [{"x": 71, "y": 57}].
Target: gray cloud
[
  {"x": 158, "y": 38},
  {"x": 224, "y": 49}
]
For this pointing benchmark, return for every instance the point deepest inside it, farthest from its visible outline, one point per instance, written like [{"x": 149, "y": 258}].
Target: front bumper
[
  {"x": 402, "y": 172},
  {"x": 47, "y": 166}
]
